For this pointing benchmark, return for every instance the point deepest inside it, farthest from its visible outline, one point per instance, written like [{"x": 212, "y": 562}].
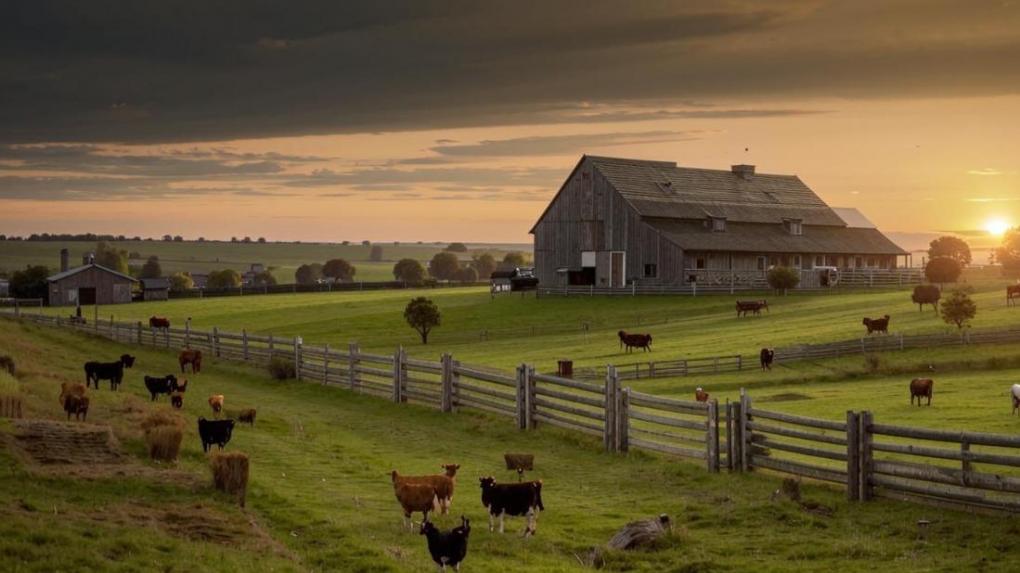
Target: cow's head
[
  {"x": 127, "y": 360},
  {"x": 451, "y": 469},
  {"x": 487, "y": 482}
]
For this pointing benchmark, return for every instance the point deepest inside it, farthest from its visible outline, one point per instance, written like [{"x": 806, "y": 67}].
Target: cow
[
  {"x": 877, "y": 324},
  {"x": 443, "y": 483},
  {"x": 214, "y": 432},
  {"x": 921, "y": 388},
  {"x": 159, "y": 322},
  {"x": 522, "y": 499},
  {"x": 1015, "y": 393},
  {"x": 70, "y": 388},
  {"x": 415, "y": 497},
  {"x": 77, "y": 405},
  {"x": 926, "y": 294},
  {"x": 766, "y": 356},
  {"x": 160, "y": 385},
  {"x": 247, "y": 417},
  {"x": 632, "y": 341},
  {"x": 177, "y": 400},
  {"x": 700, "y": 395},
  {"x": 752, "y": 306},
  {"x": 1012, "y": 291},
  {"x": 216, "y": 403},
  {"x": 192, "y": 357},
  {"x": 447, "y": 549},
  {"x": 112, "y": 371}
]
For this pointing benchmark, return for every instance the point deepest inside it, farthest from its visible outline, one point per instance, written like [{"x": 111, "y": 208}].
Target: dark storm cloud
[{"x": 188, "y": 71}]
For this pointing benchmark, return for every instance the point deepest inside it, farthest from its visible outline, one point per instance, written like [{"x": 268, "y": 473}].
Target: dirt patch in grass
[{"x": 785, "y": 397}]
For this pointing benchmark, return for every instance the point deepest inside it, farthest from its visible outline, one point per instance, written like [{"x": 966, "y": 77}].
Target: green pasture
[{"x": 321, "y": 496}]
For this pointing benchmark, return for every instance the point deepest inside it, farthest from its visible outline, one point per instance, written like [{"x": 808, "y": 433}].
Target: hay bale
[
  {"x": 164, "y": 442},
  {"x": 519, "y": 462},
  {"x": 641, "y": 533},
  {"x": 157, "y": 418},
  {"x": 230, "y": 473},
  {"x": 10, "y": 406}
]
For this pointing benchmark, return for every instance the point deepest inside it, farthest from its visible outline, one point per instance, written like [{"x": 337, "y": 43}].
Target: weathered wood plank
[
  {"x": 674, "y": 422},
  {"x": 798, "y": 420},
  {"x": 796, "y": 468},
  {"x": 794, "y": 433}
]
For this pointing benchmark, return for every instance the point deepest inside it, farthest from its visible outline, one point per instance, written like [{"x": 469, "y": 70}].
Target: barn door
[
  {"x": 616, "y": 272},
  {"x": 86, "y": 296}
]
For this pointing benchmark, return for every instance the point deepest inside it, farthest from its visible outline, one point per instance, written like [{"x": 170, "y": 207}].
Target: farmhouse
[
  {"x": 88, "y": 284},
  {"x": 617, "y": 222}
]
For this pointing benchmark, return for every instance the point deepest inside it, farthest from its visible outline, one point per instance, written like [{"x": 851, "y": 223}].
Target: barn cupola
[{"x": 743, "y": 171}]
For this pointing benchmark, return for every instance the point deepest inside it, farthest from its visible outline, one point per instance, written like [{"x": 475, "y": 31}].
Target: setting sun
[{"x": 997, "y": 227}]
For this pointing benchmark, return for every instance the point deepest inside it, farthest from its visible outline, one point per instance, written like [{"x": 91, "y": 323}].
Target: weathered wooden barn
[
  {"x": 617, "y": 222},
  {"x": 155, "y": 289},
  {"x": 89, "y": 284}
]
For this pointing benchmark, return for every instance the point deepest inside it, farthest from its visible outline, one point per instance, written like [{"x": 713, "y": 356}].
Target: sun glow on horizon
[{"x": 997, "y": 227}]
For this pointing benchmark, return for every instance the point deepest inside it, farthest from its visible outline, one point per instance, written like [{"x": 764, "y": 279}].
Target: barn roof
[
  {"x": 76, "y": 270},
  {"x": 762, "y": 238},
  {"x": 155, "y": 284}
]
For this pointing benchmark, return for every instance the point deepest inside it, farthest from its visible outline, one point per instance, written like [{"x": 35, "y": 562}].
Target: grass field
[
  {"x": 211, "y": 255},
  {"x": 320, "y": 498}
]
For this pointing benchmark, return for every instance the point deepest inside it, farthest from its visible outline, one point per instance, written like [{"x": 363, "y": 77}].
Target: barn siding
[{"x": 110, "y": 288}]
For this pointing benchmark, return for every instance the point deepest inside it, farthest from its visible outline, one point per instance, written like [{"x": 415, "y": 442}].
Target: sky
[{"x": 459, "y": 120}]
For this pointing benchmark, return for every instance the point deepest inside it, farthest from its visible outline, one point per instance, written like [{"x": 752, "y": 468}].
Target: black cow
[
  {"x": 161, "y": 385},
  {"x": 449, "y": 548},
  {"x": 522, "y": 499},
  {"x": 214, "y": 432},
  {"x": 767, "y": 355},
  {"x": 112, "y": 371}
]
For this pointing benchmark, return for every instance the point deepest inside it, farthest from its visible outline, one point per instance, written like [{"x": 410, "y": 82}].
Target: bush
[
  {"x": 959, "y": 309},
  {"x": 467, "y": 275},
  {"x": 281, "y": 368},
  {"x": 456, "y": 248},
  {"x": 230, "y": 473},
  {"x": 943, "y": 270},
  {"x": 30, "y": 283},
  {"x": 783, "y": 278}
]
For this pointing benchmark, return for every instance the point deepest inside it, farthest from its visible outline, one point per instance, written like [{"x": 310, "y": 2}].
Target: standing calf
[
  {"x": 193, "y": 357},
  {"x": 442, "y": 483},
  {"x": 632, "y": 341},
  {"x": 214, "y": 432},
  {"x": 447, "y": 548},
  {"x": 77, "y": 405},
  {"x": 700, "y": 395},
  {"x": 520, "y": 499},
  {"x": 766, "y": 356},
  {"x": 216, "y": 403},
  {"x": 160, "y": 385},
  {"x": 877, "y": 324},
  {"x": 921, "y": 388}
]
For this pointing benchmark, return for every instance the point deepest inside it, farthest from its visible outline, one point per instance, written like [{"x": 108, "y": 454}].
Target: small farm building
[
  {"x": 618, "y": 222},
  {"x": 155, "y": 289},
  {"x": 89, "y": 284}
]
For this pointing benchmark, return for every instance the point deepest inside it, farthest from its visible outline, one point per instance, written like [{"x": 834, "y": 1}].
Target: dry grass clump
[
  {"x": 164, "y": 432},
  {"x": 230, "y": 473},
  {"x": 10, "y": 396},
  {"x": 158, "y": 418}
]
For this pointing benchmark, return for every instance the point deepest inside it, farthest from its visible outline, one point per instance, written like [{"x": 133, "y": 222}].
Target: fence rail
[{"x": 868, "y": 459}]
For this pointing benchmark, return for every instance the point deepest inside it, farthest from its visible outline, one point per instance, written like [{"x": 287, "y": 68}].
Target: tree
[
  {"x": 366, "y": 243},
  {"x": 227, "y": 278},
  {"x": 262, "y": 239},
  {"x": 338, "y": 269},
  {"x": 952, "y": 247},
  {"x": 423, "y": 315},
  {"x": 246, "y": 239},
  {"x": 167, "y": 238},
  {"x": 514, "y": 258},
  {"x": 409, "y": 271},
  {"x": 376, "y": 253},
  {"x": 467, "y": 275},
  {"x": 1008, "y": 254},
  {"x": 943, "y": 270},
  {"x": 444, "y": 266},
  {"x": 151, "y": 268},
  {"x": 456, "y": 248},
  {"x": 959, "y": 309},
  {"x": 233, "y": 239},
  {"x": 308, "y": 274},
  {"x": 178, "y": 239},
  {"x": 783, "y": 278},
  {"x": 484, "y": 264},
  {"x": 111, "y": 258},
  {"x": 181, "y": 282},
  {"x": 265, "y": 278},
  {"x": 30, "y": 283}
]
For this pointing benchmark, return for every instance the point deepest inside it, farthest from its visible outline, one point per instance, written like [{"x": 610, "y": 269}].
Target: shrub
[
  {"x": 959, "y": 309},
  {"x": 281, "y": 368},
  {"x": 783, "y": 278},
  {"x": 943, "y": 270},
  {"x": 230, "y": 473}
]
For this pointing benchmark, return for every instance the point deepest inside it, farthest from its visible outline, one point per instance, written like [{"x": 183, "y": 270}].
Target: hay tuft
[
  {"x": 157, "y": 418},
  {"x": 164, "y": 442},
  {"x": 230, "y": 473}
]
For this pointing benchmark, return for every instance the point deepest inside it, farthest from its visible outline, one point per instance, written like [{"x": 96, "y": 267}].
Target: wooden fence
[{"x": 865, "y": 458}]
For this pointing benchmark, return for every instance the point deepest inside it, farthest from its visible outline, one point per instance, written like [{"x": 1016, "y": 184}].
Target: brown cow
[
  {"x": 632, "y": 341},
  {"x": 752, "y": 306},
  {"x": 877, "y": 324},
  {"x": 921, "y": 388},
  {"x": 77, "y": 405},
  {"x": 159, "y": 322},
  {"x": 1012, "y": 291},
  {"x": 70, "y": 389},
  {"x": 193, "y": 357},
  {"x": 216, "y": 403},
  {"x": 700, "y": 395}
]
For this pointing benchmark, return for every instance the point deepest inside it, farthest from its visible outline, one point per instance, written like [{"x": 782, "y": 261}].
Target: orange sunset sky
[{"x": 459, "y": 121}]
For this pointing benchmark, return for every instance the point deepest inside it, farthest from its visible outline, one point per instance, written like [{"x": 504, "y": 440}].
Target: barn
[
  {"x": 89, "y": 284},
  {"x": 155, "y": 289},
  {"x": 621, "y": 222}
]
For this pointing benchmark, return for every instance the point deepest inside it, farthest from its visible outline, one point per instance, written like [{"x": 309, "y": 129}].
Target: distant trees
[
  {"x": 783, "y": 278},
  {"x": 467, "y": 275},
  {"x": 409, "y": 271},
  {"x": 959, "y": 309},
  {"x": 265, "y": 278},
  {"x": 484, "y": 264},
  {"x": 246, "y": 239},
  {"x": 376, "y": 253},
  {"x": 181, "y": 282},
  {"x": 952, "y": 247},
  {"x": 168, "y": 238},
  {"x": 178, "y": 239},
  {"x": 942, "y": 270},
  {"x": 456, "y": 248},
  {"x": 423, "y": 315},
  {"x": 30, "y": 282},
  {"x": 338, "y": 269},
  {"x": 366, "y": 243},
  {"x": 262, "y": 239},
  {"x": 111, "y": 257},
  {"x": 514, "y": 258},
  {"x": 151, "y": 269},
  {"x": 233, "y": 239},
  {"x": 1008, "y": 254},
  {"x": 444, "y": 266},
  {"x": 308, "y": 274},
  {"x": 226, "y": 278}
]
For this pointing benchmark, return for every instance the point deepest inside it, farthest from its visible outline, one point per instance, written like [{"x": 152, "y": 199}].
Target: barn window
[
  {"x": 718, "y": 224},
  {"x": 762, "y": 262},
  {"x": 699, "y": 263},
  {"x": 796, "y": 261},
  {"x": 819, "y": 260},
  {"x": 651, "y": 270},
  {"x": 793, "y": 226}
]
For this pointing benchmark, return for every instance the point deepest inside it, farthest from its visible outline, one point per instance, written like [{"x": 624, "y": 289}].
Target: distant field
[{"x": 211, "y": 255}]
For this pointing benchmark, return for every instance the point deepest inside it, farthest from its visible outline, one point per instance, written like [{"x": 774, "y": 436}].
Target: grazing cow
[
  {"x": 1012, "y": 291},
  {"x": 70, "y": 388},
  {"x": 247, "y": 417},
  {"x": 877, "y": 324},
  {"x": 921, "y": 388},
  {"x": 700, "y": 395},
  {"x": 415, "y": 497},
  {"x": 447, "y": 549},
  {"x": 214, "y": 432},
  {"x": 193, "y": 357},
  {"x": 444, "y": 484},
  {"x": 112, "y": 371},
  {"x": 520, "y": 499},
  {"x": 752, "y": 306},
  {"x": 177, "y": 400},
  {"x": 632, "y": 341},
  {"x": 926, "y": 294},
  {"x": 216, "y": 403},
  {"x": 159, "y": 322},
  {"x": 766, "y": 356},
  {"x": 160, "y": 385},
  {"x": 77, "y": 405}
]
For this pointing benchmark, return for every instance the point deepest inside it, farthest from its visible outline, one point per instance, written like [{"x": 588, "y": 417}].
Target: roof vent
[{"x": 744, "y": 171}]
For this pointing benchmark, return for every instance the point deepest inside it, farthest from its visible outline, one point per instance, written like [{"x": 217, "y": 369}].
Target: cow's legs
[
  {"x": 502, "y": 514},
  {"x": 491, "y": 521}
]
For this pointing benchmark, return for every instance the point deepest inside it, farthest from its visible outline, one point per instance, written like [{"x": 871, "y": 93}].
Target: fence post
[
  {"x": 325, "y": 364},
  {"x": 745, "y": 435},
  {"x": 853, "y": 459},
  {"x": 623, "y": 419},
  {"x": 244, "y": 343},
  {"x": 712, "y": 441},
  {"x": 740, "y": 362},
  {"x": 965, "y": 465},
  {"x": 398, "y": 378},
  {"x": 352, "y": 365},
  {"x": 729, "y": 435},
  {"x": 445, "y": 384},
  {"x": 187, "y": 335},
  {"x": 139, "y": 333},
  {"x": 216, "y": 341},
  {"x": 522, "y": 402},
  {"x": 270, "y": 347},
  {"x": 454, "y": 381},
  {"x": 297, "y": 356},
  {"x": 532, "y": 408},
  {"x": 609, "y": 409},
  {"x": 865, "y": 438}
]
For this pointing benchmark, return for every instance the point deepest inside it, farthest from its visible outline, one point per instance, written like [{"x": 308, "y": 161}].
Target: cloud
[
  {"x": 993, "y": 199},
  {"x": 986, "y": 172},
  {"x": 387, "y": 177},
  {"x": 562, "y": 144},
  {"x": 71, "y": 188}
]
